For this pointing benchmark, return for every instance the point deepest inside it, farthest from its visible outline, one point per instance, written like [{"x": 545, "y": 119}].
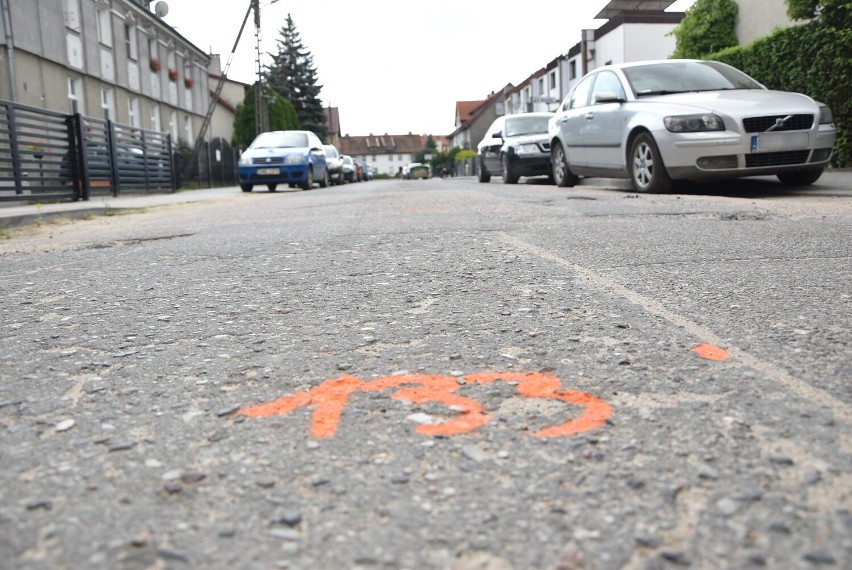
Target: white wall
[
  {"x": 758, "y": 18},
  {"x": 634, "y": 42}
]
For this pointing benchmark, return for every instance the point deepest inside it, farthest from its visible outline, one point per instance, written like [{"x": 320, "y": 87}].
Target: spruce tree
[{"x": 292, "y": 74}]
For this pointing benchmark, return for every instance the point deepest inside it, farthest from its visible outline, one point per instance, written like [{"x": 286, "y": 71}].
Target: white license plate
[
  {"x": 267, "y": 171},
  {"x": 779, "y": 141}
]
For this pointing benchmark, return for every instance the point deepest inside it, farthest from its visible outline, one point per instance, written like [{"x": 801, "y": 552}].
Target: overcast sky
[{"x": 389, "y": 66}]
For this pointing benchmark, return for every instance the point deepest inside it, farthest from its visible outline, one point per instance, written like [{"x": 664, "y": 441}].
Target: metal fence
[{"x": 46, "y": 155}]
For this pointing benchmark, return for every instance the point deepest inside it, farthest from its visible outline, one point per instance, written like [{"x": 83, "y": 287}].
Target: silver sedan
[{"x": 658, "y": 121}]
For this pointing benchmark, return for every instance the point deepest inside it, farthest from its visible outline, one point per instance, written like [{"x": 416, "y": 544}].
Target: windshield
[
  {"x": 282, "y": 139},
  {"x": 525, "y": 126},
  {"x": 686, "y": 76}
]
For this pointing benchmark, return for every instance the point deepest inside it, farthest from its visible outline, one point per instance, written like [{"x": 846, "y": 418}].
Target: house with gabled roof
[
  {"x": 386, "y": 154},
  {"x": 474, "y": 117}
]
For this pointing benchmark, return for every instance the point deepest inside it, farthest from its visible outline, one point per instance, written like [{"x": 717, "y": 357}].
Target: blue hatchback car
[{"x": 295, "y": 158}]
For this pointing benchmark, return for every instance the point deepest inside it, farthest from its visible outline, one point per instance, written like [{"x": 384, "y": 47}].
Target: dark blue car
[{"x": 295, "y": 158}]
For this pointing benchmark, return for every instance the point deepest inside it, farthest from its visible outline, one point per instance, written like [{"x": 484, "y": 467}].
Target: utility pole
[
  {"x": 214, "y": 99},
  {"x": 261, "y": 108}
]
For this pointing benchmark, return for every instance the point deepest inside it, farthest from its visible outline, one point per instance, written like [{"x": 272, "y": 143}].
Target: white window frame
[
  {"x": 75, "y": 95},
  {"x": 155, "y": 117},
  {"x": 187, "y": 129},
  {"x": 108, "y": 104},
  {"x": 133, "y": 112},
  {"x": 131, "y": 42},
  {"x": 104, "y": 23},
  {"x": 72, "y": 15}
]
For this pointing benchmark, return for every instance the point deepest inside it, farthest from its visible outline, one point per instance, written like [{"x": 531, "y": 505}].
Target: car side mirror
[
  {"x": 608, "y": 97},
  {"x": 497, "y": 135}
]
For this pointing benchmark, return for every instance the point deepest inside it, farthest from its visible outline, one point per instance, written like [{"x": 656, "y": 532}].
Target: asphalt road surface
[{"x": 432, "y": 374}]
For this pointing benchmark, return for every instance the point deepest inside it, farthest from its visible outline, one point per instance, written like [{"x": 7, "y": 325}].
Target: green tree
[
  {"x": 431, "y": 150},
  {"x": 282, "y": 117},
  {"x": 292, "y": 74},
  {"x": 835, "y": 13},
  {"x": 707, "y": 27}
]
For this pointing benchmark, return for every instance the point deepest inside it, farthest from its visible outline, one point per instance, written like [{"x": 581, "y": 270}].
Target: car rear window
[{"x": 285, "y": 139}]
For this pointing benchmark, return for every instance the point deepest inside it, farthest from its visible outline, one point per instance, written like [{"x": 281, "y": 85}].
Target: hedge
[{"x": 811, "y": 58}]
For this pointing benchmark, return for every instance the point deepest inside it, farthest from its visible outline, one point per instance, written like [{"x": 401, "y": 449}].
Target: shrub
[{"x": 812, "y": 58}]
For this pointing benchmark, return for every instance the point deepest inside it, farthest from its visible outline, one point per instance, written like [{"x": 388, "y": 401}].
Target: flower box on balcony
[
  {"x": 173, "y": 74},
  {"x": 188, "y": 83},
  {"x": 155, "y": 64}
]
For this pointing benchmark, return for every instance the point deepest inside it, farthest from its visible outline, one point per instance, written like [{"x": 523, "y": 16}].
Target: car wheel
[
  {"x": 484, "y": 175},
  {"x": 800, "y": 177},
  {"x": 325, "y": 181},
  {"x": 246, "y": 187},
  {"x": 509, "y": 177},
  {"x": 309, "y": 180},
  {"x": 647, "y": 171},
  {"x": 562, "y": 174},
  {"x": 272, "y": 187}
]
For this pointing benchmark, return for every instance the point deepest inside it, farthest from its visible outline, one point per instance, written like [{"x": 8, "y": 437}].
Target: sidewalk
[{"x": 12, "y": 215}]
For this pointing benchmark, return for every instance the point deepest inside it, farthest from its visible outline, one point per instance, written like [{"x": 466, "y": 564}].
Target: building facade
[
  {"x": 113, "y": 59},
  {"x": 386, "y": 154},
  {"x": 758, "y": 18}
]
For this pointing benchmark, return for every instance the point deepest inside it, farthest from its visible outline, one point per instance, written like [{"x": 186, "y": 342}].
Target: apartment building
[{"x": 114, "y": 59}]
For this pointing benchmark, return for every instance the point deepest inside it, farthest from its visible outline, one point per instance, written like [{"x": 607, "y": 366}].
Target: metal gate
[{"x": 46, "y": 155}]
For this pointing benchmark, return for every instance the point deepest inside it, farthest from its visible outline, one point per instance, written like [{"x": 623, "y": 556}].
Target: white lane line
[{"x": 801, "y": 389}]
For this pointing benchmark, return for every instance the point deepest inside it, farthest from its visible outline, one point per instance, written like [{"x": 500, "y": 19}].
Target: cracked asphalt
[{"x": 432, "y": 374}]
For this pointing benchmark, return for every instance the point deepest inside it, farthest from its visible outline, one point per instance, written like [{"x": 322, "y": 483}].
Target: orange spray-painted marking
[
  {"x": 711, "y": 352},
  {"x": 439, "y": 389},
  {"x": 330, "y": 398},
  {"x": 536, "y": 385}
]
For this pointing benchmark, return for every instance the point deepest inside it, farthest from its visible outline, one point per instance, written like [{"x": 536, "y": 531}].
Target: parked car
[
  {"x": 296, "y": 158},
  {"x": 334, "y": 164},
  {"x": 658, "y": 121},
  {"x": 417, "y": 170},
  {"x": 364, "y": 170},
  {"x": 515, "y": 146},
  {"x": 349, "y": 172}
]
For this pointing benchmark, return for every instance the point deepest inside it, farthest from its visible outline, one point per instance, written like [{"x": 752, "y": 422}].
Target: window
[
  {"x": 187, "y": 129},
  {"x": 104, "y": 24},
  {"x": 607, "y": 81},
  {"x": 580, "y": 95},
  {"x": 72, "y": 15},
  {"x": 153, "y": 52},
  {"x": 107, "y": 104},
  {"x": 553, "y": 80},
  {"x": 155, "y": 117},
  {"x": 74, "y": 102},
  {"x": 541, "y": 84},
  {"x": 572, "y": 69},
  {"x": 133, "y": 111},
  {"x": 173, "y": 126},
  {"x": 130, "y": 42}
]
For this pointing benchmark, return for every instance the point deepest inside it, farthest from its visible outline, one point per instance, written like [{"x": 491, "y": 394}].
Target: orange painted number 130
[{"x": 330, "y": 398}]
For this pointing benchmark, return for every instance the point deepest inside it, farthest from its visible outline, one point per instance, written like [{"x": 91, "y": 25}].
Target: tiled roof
[
  {"x": 464, "y": 110},
  {"x": 383, "y": 144}
]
